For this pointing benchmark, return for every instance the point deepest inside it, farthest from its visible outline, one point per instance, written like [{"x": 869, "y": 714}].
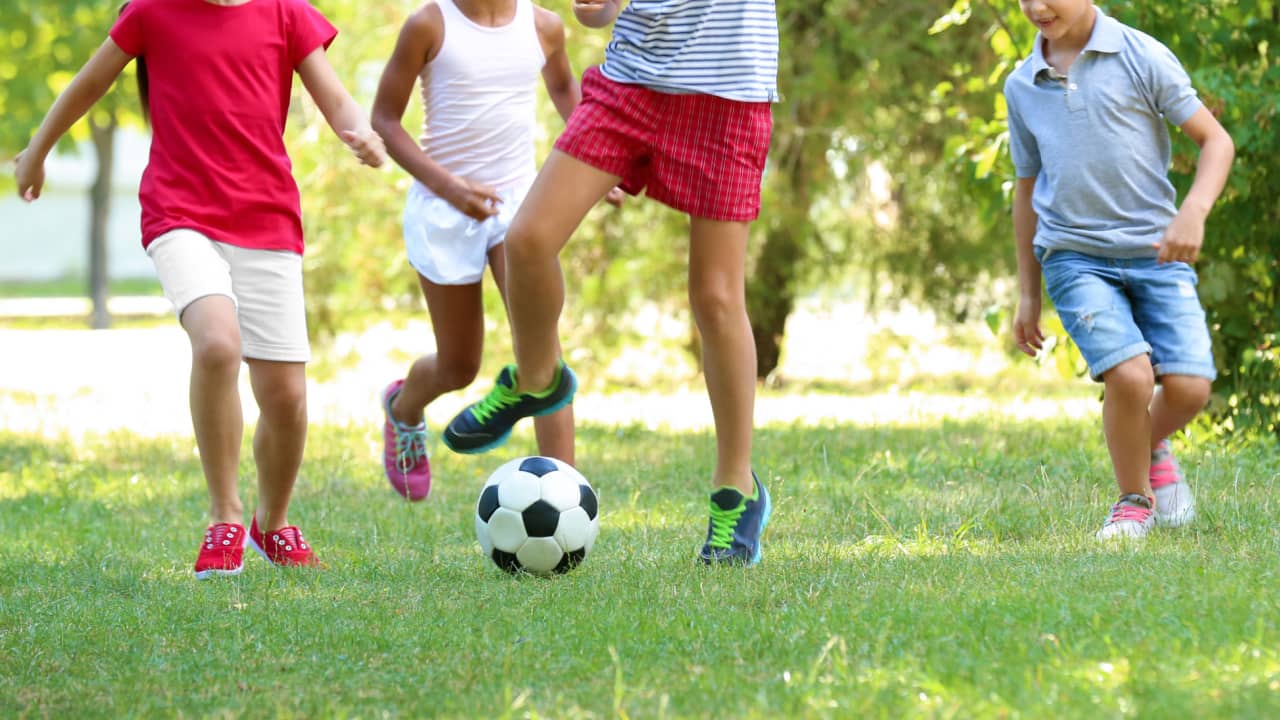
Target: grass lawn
[{"x": 946, "y": 570}]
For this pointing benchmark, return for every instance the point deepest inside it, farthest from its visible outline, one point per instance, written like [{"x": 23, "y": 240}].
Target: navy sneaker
[
  {"x": 485, "y": 425},
  {"x": 735, "y": 527}
]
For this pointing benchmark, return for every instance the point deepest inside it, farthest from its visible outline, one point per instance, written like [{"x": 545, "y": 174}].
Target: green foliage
[
  {"x": 43, "y": 43},
  {"x": 1228, "y": 47},
  {"x": 936, "y": 570}
]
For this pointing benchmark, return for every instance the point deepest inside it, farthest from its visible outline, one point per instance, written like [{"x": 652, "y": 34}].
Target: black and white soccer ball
[{"x": 537, "y": 515}]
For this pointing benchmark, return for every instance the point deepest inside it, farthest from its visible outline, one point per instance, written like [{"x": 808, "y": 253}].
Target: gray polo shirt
[{"x": 1097, "y": 141}]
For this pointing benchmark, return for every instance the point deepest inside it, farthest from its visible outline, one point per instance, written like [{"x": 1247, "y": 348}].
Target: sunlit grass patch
[{"x": 939, "y": 569}]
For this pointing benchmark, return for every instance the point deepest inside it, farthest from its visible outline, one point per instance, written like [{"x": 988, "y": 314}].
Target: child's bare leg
[
  {"x": 1178, "y": 399},
  {"x": 457, "y": 320},
  {"x": 555, "y": 431},
  {"x": 565, "y": 189},
  {"x": 281, "y": 391},
  {"x": 1126, "y": 422},
  {"x": 717, "y": 293},
  {"x": 214, "y": 330}
]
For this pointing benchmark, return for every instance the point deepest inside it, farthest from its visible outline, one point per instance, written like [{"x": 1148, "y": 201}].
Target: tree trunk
[
  {"x": 771, "y": 294},
  {"x": 102, "y": 128}
]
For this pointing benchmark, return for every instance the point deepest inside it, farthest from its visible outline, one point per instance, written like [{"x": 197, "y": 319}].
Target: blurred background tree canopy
[{"x": 889, "y": 172}]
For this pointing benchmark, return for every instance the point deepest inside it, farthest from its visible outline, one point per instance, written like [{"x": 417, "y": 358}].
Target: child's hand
[
  {"x": 473, "y": 199},
  {"x": 595, "y": 13},
  {"x": 367, "y": 145},
  {"x": 615, "y": 197},
  {"x": 1182, "y": 239},
  {"x": 29, "y": 172},
  {"x": 1026, "y": 327}
]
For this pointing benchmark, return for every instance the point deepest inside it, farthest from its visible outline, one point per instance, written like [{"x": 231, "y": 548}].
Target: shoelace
[
  {"x": 723, "y": 523},
  {"x": 285, "y": 539},
  {"x": 498, "y": 399},
  {"x": 1129, "y": 510},
  {"x": 1164, "y": 469},
  {"x": 221, "y": 535},
  {"x": 411, "y": 446}
]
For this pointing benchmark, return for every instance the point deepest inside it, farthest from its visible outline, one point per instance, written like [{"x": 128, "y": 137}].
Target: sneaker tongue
[
  {"x": 1137, "y": 500},
  {"x": 507, "y": 377},
  {"x": 727, "y": 498}
]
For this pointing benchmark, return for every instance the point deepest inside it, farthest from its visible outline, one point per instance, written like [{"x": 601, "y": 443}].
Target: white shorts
[
  {"x": 448, "y": 247},
  {"x": 265, "y": 285}
]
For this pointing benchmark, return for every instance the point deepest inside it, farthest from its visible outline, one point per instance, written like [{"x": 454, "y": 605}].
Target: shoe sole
[
  {"x": 764, "y": 523},
  {"x": 501, "y": 439},
  {"x": 209, "y": 574}
]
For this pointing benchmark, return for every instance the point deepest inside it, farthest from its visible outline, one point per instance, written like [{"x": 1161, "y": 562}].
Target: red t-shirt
[{"x": 220, "y": 78}]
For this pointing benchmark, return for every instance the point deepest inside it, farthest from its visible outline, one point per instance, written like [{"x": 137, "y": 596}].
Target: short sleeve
[
  {"x": 127, "y": 30},
  {"x": 1171, "y": 87},
  {"x": 1022, "y": 143},
  {"x": 308, "y": 30}
]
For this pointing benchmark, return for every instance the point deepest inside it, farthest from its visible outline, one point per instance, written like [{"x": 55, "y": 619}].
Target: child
[
  {"x": 681, "y": 105},
  {"x": 1093, "y": 207},
  {"x": 478, "y": 61},
  {"x": 221, "y": 221}
]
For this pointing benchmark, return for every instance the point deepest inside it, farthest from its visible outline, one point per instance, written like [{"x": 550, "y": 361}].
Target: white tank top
[{"x": 479, "y": 96}]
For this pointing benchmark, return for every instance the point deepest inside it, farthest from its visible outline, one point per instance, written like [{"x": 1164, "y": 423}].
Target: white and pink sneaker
[
  {"x": 1131, "y": 517},
  {"x": 1175, "y": 505}
]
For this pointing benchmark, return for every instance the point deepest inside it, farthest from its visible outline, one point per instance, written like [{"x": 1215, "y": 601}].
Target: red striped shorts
[{"x": 700, "y": 154}]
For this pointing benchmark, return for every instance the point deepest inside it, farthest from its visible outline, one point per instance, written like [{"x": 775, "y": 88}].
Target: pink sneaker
[
  {"x": 222, "y": 551},
  {"x": 1175, "y": 505},
  {"x": 404, "y": 450},
  {"x": 285, "y": 546},
  {"x": 1131, "y": 517}
]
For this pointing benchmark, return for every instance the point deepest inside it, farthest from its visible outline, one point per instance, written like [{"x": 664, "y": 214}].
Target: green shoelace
[
  {"x": 498, "y": 399},
  {"x": 723, "y": 523}
]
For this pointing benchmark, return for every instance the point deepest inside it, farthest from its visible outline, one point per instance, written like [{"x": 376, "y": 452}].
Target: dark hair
[{"x": 140, "y": 70}]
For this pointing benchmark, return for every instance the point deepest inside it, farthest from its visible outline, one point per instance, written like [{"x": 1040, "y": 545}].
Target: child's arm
[
  {"x": 1184, "y": 236},
  {"x": 90, "y": 84},
  {"x": 596, "y": 13},
  {"x": 557, "y": 74},
  {"x": 339, "y": 109},
  {"x": 1026, "y": 322},
  {"x": 418, "y": 43}
]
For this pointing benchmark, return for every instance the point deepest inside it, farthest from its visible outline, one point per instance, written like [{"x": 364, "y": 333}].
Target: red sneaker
[
  {"x": 222, "y": 552},
  {"x": 285, "y": 546}
]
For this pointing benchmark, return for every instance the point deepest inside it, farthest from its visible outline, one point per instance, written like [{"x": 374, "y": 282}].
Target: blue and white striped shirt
[{"x": 727, "y": 48}]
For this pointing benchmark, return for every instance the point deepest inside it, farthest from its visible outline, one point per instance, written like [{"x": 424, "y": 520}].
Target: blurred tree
[{"x": 42, "y": 45}]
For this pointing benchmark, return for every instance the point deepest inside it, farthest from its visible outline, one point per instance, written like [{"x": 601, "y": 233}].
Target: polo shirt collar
[{"x": 1107, "y": 37}]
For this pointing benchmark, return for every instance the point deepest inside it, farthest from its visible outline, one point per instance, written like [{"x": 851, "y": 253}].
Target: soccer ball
[{"x": 537, "y": 515}]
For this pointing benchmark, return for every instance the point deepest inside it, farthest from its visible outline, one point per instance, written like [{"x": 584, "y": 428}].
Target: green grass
[
  {"x": 77, "y": 287},
  {"x": 941, "y": 571}
]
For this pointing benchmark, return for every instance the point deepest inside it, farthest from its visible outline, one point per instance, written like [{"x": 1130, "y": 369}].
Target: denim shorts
[{"x": 1115, "y": 309}]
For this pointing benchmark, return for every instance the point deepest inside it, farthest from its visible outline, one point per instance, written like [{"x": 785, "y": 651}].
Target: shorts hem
[
  {"x": 575, "y": 151},
  {"x": 275, "y": 354},
  {"x": 704, "y": 213},
  {"x": 1208, "y": 372},
  {"x": 1113, "y": 359},
  {"x": 179, "y": 311}
]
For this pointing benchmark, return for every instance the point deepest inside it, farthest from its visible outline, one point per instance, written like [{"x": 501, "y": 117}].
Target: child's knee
[
  {"x": 284, "y": 402},
  {"x": 455, "y": 373},
  {"x": 714, "y": 306},
  {"x": 217, "y": 350},
  {"x": 1186, "y": 392},
  {"x": 1133, "y": 379}
]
